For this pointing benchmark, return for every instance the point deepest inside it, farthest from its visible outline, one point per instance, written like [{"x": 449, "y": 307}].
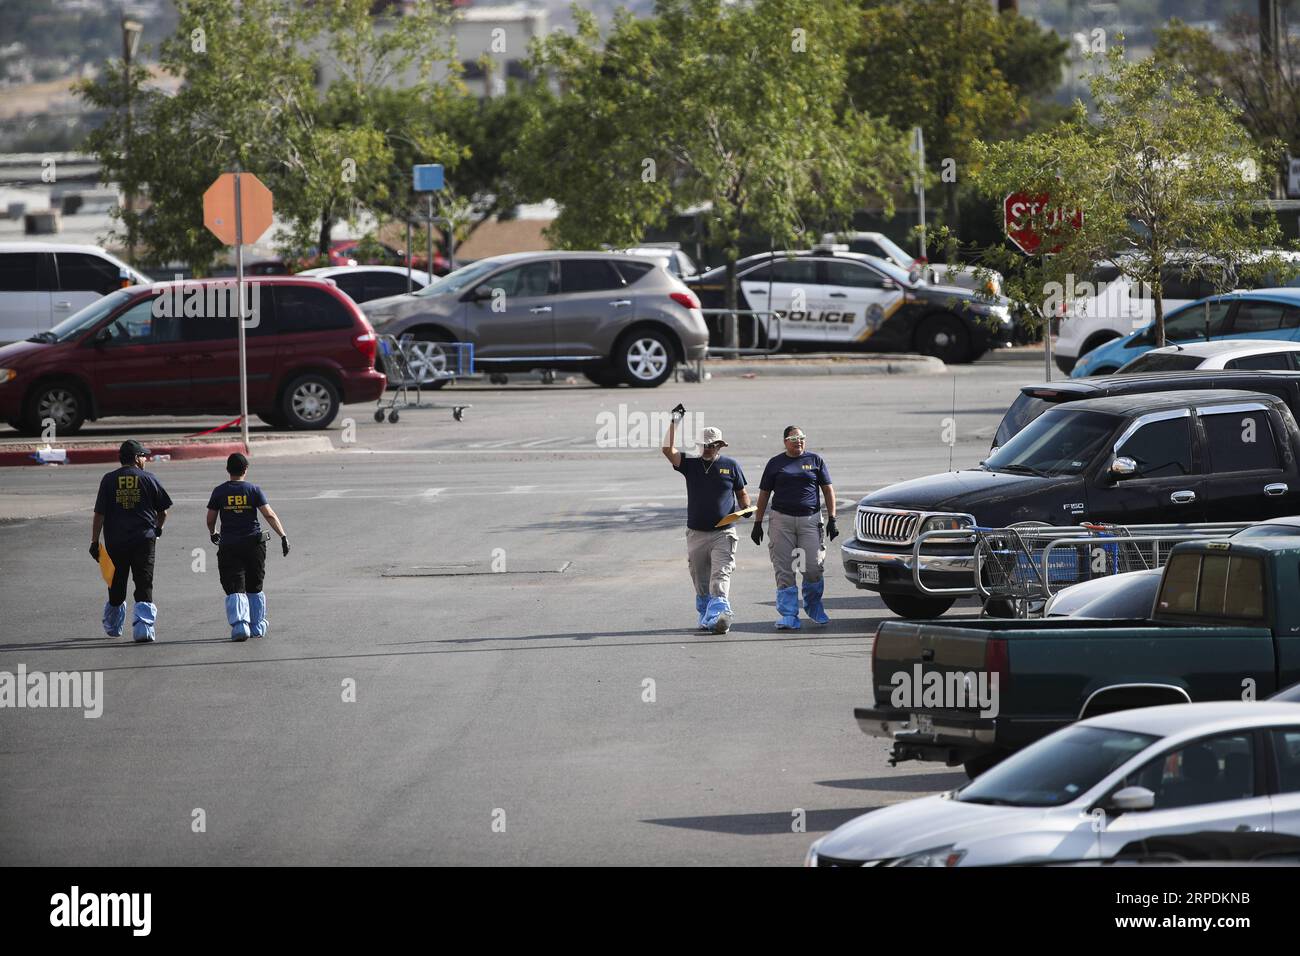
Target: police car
[{"x": 830, "y": 299}]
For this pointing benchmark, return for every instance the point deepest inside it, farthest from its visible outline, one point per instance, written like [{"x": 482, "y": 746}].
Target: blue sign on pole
[{"x": 428, "y": 178}]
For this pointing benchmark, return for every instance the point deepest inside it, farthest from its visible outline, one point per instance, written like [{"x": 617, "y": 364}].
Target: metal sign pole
[
  {"x": 239, "y": 288},
  {"x": 409, "y": 257},
  {"x": 429, "y": 264},
  {"x": 919, "y": 146}
]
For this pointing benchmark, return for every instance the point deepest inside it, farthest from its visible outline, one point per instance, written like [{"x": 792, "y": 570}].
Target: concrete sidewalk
[{"x": 21, "y": 451}]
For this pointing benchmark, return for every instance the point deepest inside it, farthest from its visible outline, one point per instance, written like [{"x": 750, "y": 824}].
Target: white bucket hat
[{"x": 711, "y": 436}]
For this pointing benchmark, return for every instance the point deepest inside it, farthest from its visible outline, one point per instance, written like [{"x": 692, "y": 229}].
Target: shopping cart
[{"x": 412, "y": 364}]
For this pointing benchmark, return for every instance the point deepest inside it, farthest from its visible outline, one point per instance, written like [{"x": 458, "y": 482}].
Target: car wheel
[
  {"x": 944, "y": 337},
  {"x": 978, "y": 765},
  {"x": 430, "y": 357},
  {"x": 311, "y": 401},
  {"x": 61, "y": 401},
  {"x": 915, "y": 607},
  {"x": 644, "y": 359},
  {"x": 604, "y": 376},
  {"x": 273, "y": 418}
]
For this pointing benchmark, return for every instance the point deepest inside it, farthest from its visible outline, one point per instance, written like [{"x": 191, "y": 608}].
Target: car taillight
[
  {"x": 686, "y": 299},
  {"x": 367, "y": 344},
  {"x": 997, "y": 660}
]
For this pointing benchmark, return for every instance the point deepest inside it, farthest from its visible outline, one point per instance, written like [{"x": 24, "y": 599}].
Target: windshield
[
  {"x": 77, "y": 323},
  {"x": 895, "y": 252},
  {"x": 1058, "y": 769},
  {"x": 1269, "y": 531},
  {"x": 901, "y": 276},
  {"x": 1162, "y": 362},
  {"x": 463, "y": 278},
  {"x": 1061, "y": 441},
  {"x": 1022, "y": 411}
]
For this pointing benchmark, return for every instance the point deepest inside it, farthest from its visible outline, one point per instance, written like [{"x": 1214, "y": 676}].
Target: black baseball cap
[
  {"x": 236, "y": 464},
  {"x": 130, "y": 451}
]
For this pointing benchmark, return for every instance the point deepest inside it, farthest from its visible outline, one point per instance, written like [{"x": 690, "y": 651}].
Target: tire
[
  {"x": 429, "y": 355},
  {"x": 604, "y": 376},
  {"x": 984, "y": 762},
  {"x": 62, "y": 401},
  {"x": 310, "y": 402},
  {"x": 915, "y": 607},
  {"x": 644, "y": 359},
  {"x": 946, "y": 338},
  {"x": 273, "y": 418}
]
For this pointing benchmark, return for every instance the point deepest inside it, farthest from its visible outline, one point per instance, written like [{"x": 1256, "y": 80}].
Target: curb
[
  {"x": 923, "y": 366},
  {"x": 92, "y": 454}
]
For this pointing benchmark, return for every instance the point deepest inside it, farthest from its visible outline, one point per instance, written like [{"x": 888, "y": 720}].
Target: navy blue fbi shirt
[
  {"x": 237, "y": 501},
  {"x": 711, "y": 488},
  {"x": 795, "y": 483},
  {"x": 130, "y": 499}
]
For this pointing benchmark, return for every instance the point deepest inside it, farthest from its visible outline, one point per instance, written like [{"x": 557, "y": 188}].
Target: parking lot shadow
[
  {"x": 640, "y": 519},
  {"x": 905, "y": 782},
  {"x": 764, "y": 824}
]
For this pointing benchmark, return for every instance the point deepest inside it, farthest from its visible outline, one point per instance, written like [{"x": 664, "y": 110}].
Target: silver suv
[{"x": 616, "y": 318}]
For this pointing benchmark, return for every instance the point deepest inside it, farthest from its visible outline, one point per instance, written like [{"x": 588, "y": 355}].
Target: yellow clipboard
[
  {"x": 105, "y": 565},
  {"x": 736, "y": 516}
]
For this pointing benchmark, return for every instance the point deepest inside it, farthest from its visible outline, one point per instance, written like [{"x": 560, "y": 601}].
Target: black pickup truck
[
  {"x": 1153, "y": 458},
  {"x": 1225, "y": 626}
]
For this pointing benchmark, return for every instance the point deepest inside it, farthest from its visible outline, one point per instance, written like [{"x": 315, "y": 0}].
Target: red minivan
[{"x": 172, "y": 349}]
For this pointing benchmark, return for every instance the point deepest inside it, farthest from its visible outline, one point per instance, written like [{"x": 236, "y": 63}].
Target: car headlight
[
  {"x": 988, "y": 308},
  {"x": 7, "y": 375},
  {"x": 935, "y": 856},
  {"x": 947, "y": 523}
]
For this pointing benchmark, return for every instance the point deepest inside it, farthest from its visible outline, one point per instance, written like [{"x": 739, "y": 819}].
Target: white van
[
  {"x": 1111, "y": 306},
  {"x": 42, "y": 283}
]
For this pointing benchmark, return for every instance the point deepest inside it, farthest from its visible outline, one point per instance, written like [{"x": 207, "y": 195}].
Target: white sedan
[
  {"x": 364, "y": 283},
  {"x": 1086, "y": 790},
  {"x": 1266, "y": 354}
]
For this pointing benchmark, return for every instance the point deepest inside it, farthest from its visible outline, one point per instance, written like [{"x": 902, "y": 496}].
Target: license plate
[
  {"x": 924, "y": 723},
  {"x": 868, "y": 574}
]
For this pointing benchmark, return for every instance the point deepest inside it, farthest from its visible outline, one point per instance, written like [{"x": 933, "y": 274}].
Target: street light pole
[{"x": 131, "y": 30}]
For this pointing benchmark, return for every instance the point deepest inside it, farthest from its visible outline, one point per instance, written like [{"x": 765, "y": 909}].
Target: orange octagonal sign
[{"x": 219, "y": 207}]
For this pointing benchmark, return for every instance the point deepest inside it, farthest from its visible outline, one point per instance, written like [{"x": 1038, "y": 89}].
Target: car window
[
  {"x": 1162, "y": 362},
  {"x": 632, "y": 270},
  {"x": 1208, "y": 771},
  {"x": 1213, "y": 585},
  {"x": 79, "y": 272},
  {"x": 1022, "y": 411},
  {"x": 24, "y": 272},
  {"x": 381, "y": 284},
  {"x": 1061, "y": 441},
  {"x": 139, "y": 325},
  {"x": 1255, "y": 316},
  {"x": 587, "y": 275},
  {"x": 304, "y": 309},
  {"x": 353, "y": 285},
  {"x": 529, "y": 279},
  {"x": 1190, "y": 323},
  {"x": 1286, "y": 749},
  {"x": 1267, "y": 360},
  {"x": 1058, "y": 769},
  {"x": 1161, "y": 449},
  {"x": 798, "y": 271},
  {"x": 854, "y": 274},
  {"x": 1241, "y": 441}
]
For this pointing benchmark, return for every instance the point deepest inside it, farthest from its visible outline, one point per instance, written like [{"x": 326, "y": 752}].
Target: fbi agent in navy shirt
[
  {"x": 241, "y": 548},
  {"x": 793, "y": 483},
  {"x": 130, "y": 509},
  {"x": 715, "y": 488}
]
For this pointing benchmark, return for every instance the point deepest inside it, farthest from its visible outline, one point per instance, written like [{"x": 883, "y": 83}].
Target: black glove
[
  {"x": 94, "y": 550},
  {"x": 757, "y": 534},
  {"x": 832, "y": 531},
  {"x": 157, "y": 532},
  {"x": 216, "y": 538},
  {"x": 679, "y": 412},
  {"x": 284, "y": 546}
]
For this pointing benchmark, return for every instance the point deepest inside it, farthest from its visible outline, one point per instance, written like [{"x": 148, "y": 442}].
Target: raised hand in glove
[
  {"x": 94, "y": 550},
  {"x": 757, "y": 534},
  {"x": 216, "y": 538},
  {"x": 832, "y": 530},
  {"x": 284, "y": 546},
  {"x": 679, "y": 412}
]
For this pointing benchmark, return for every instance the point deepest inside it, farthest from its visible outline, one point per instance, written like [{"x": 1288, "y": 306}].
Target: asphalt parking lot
[{"x": 511, "y": 604}]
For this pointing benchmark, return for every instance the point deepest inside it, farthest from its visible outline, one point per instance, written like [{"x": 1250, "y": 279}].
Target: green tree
[
  {"x": 1163, "y": 172},
  {"x": 740, "y": 107},
  {"x": 957, "y": 69}
]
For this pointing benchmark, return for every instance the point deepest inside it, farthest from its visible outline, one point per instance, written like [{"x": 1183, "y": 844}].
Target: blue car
[{"x": 1259, "y": 314}]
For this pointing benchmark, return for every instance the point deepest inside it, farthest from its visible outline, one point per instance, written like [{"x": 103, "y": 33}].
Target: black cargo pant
[
  {"x": 242, "y": 565},
  {"x": 135, "y": 559}
]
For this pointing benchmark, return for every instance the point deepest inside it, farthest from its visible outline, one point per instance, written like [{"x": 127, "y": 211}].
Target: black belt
[{"x": 793, "y": 514}]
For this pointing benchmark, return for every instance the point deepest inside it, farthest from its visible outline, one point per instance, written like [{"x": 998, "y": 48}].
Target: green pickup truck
[{"x": 1225, "y": 626}]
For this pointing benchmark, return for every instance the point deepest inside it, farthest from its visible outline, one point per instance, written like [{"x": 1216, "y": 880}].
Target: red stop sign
[{"x": 1019, "y": 210}]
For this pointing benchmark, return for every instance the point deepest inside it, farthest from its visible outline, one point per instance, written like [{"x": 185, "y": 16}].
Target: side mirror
[
  {"x": 889, "y": 284},
  {"x": 481, "y": 293},
  {"x": 1130, "y": 798},
  {"x": 103, "y": 336},
  {"x": 1123, "y": 467}
]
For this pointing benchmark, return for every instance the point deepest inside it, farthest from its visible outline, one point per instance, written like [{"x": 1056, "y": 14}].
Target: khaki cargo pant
[
  {"x": 787, "y": 534},
  {"x": 712, "y": 557}
]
